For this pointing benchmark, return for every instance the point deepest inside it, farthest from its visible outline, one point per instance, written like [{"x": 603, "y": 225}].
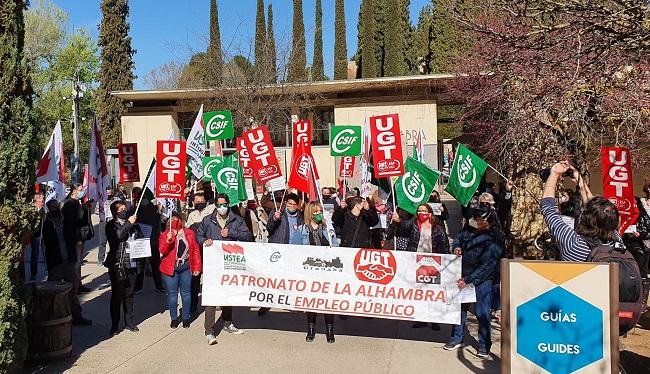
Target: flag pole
[
  {"x": 392, "y": 192},
  {"x": 275, "y": 203},
  {"x": 320, "y": 197}
]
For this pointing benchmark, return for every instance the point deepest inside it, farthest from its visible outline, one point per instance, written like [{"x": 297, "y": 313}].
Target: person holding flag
[
  {"x": 150, "y": 221},
  {"x": 222, "y": 225},
  {"x": 355, "y": 217}
]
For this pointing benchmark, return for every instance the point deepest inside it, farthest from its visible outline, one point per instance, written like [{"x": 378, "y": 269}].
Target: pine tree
[
  {"x": 17, "y": 164},
  {"x": 213, "y": 67},
  {"x": 261, "y": 58},
  {"x": 298, "y": 60},
  {"x": 397, "y": 37},
  {"x": 317, "y": 68},
  {"x": 270, "y": 38},
  {"x": 424, "y": 39},
  {"x": 340, "y": 44},
  {"x": 116, "y": 72}
]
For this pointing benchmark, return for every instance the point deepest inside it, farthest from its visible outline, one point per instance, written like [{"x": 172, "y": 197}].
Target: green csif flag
[
  {"x": 208, "y": 163},
  {"x": 229, "y": 179},
  {"x": 218, "y": 125},
  {"x": 414, "y": 187},
  {"x": 466, "y": 175}
]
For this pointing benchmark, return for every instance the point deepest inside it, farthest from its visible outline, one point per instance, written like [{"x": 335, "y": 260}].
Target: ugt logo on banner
[
  {"x": 345, "y": 140},
  {"x": 618, "y": 184},
  {"x": 170, "y": 172},
  {"x": 262, "y": 155},
  {"x": 218, "y": 125},
  {"x": 128, "y": 156},
  {"x": 244, "y": 158},
  {"x": 346, "y": 169},
  {"x": 386, "y": 146}
]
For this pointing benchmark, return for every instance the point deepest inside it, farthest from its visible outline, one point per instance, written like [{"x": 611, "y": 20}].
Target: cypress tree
[
  {"x": 261, "y": 58},
  {"x": 270, "y": 37},
  {"x": 396, "y": 38},
  {"x": 213, "y": 66},
  {"x": 340, "y": 45},
  {"x": 298, "y": 60},
  {"x": 17, "y": 164},
  {"x": 317, "y": 68},
  {"x": 116, "y": 71},
  {"x": 424, "y": 39},
  {"x": 369, "y": 48}
]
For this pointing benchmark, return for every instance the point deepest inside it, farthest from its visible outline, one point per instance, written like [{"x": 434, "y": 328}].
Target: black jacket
[
  {"x": 633, "y": 243},
  {"x": 75, "y": 217},
  {"x": 411, "y": 230},
  {"x": 117, "y": 235},
  {"x": 52, "y": 249},
  {"x": 279, "y": 230},
  {"x": 349, "y": 223}
]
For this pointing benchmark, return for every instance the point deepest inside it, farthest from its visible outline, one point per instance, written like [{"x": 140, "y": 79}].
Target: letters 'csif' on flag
[
  {"x": 345, "y": 140},
  {"x": 128, "y": 160},
  {"x": 263, "y": 160},
  {"x": 386, "y": 146},
  {"x": 229, "y": 179},
  {"x": 195, "y": 146},
  {"x": 218, "y": 125},
  {"x": 98, "y": 178},
  {"x": 170, "y": 171},
  {"x": 209, "y": 163},
  {"x": 414, "y": 187},
  {"x": 618, "y": 185},
  {"x": 466, "y": 174}
]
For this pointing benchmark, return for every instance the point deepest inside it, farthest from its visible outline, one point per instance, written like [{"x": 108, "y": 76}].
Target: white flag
[
  {"x": 50, "y": 166},
  {"x": 419, "y": 146},
  {"x": 98, "y": 178},
  {"x": 366, "y": 174},
  {"x": 195, "y": 146}
]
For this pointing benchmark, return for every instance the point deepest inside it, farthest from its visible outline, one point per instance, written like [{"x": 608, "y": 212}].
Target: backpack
[{"x": 630, "y": 289}]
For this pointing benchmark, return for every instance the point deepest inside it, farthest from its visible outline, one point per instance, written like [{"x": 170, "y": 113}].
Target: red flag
[
  {"x": 314, "y": 191},
  {"x": 263, "y": 160},
  {"x": 386, "y": 146},
  {"x": 128, "y": 157},
  {"x": 50, "y": 166},
  {"x": 618, "y": 185},
  {"x": 170, "y": 169},
  {"x": 244, "y": 158}
]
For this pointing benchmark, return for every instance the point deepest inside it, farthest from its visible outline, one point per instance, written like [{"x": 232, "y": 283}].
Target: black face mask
[
  {"x": 326, "y": 196},
  {"x": 122, "y": 214},
  {"x": 200, "y": 206},
  {"x": 54, "y": 213},
  {"x": 434, "y": 199}
]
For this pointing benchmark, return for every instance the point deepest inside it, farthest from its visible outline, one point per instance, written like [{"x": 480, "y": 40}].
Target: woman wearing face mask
[
  {"x": 121, "y": 270},
  {"x": 378, "y": 232},
  {"x": 181, "y": 260},
  {"x": 440, "y": 210},
  {"x": 399, "y": 230},
  {"x": 355, "y": 219},
  {"x": 481, "y": 246},
  {"x": 314, "y": 232}
]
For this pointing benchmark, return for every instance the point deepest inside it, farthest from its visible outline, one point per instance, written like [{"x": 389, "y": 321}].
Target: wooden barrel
[{"x": 50, "y": 321}]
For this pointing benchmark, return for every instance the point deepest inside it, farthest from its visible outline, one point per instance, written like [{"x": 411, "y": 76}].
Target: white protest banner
[
  {"x": 352, "y": 281},
  {"x": 139, "y": 248}
]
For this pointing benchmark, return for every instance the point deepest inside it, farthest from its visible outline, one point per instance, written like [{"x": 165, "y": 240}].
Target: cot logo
[
  {"x": 428, "y": 270},
  {"x": 375, "y": 265}
]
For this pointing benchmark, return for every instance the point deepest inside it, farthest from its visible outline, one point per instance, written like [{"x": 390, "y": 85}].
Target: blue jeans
[
  {"x": 181, "y": 279},
  {"x": 482, "y": 310}
]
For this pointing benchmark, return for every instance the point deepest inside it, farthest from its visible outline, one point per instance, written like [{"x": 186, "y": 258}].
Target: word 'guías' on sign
[
  {"x": 170, "y": 171},
  {"x": 128, "y": 158}
]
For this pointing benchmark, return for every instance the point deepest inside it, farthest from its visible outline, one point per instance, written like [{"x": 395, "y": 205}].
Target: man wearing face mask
[
  {"x": 194, "y": 219},
  {"x": 149, "y": 215},
  {"x": 481, "y": 246},
  {"x": 355, "y": 221},
  {"x": 439, "y": 209},
  {"x": 223, "y": 225},
  {"x": 76, "y": 227},
  {"x": 283, "y": 225},
  {"x": 60, "y": 259},
  {"x": 103, "y": 218}
]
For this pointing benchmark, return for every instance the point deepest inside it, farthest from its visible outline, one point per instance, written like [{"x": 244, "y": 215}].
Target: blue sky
[{"x": 172, "y": 30}]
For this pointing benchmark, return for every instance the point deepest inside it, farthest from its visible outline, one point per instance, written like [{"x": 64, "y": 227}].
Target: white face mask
[
  {"x": 222, "y": 210},
  {"x": 472, "y": 223}
]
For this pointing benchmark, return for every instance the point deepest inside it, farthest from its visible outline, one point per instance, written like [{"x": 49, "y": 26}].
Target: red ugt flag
[
  {"x": 618, "y": 185},
  {"x": 386, "y": 146},
  {"x": 129, "y": 168},
  {"x": 262, "y": 154},
  {"x": 170, "y": 169}
]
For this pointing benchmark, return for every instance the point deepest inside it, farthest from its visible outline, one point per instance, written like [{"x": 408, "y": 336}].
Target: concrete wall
[{"x": 146, "y": 130}]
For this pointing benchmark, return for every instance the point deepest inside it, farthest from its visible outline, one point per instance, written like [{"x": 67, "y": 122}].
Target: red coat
[{"x": 168, "y": 252}]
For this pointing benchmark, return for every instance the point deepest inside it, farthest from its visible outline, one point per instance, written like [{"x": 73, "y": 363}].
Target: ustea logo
[
  {"x": 375, "y": 265},
  {"x": 233, "y": 259},
  {"x": 428, "y": 269}
]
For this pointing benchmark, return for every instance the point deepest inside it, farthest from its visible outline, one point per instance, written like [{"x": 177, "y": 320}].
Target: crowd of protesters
[{"x": 177, "y": 241}]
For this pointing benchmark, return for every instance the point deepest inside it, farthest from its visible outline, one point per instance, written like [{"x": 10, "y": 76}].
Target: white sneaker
[
  {"x": 231, "y": 329},
  {"x": 212, "y": 340}
]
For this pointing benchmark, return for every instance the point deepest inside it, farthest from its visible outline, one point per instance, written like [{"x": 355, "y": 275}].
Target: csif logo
[
  {"x": 344, "y": 140},
  {"x": 210, "y": 164},
  {"x": 227, "y": 177},
  {"x": 465, "y": 167},
  {"x": 216, "y": 126},
  {"x": 413, "y": 187}
]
